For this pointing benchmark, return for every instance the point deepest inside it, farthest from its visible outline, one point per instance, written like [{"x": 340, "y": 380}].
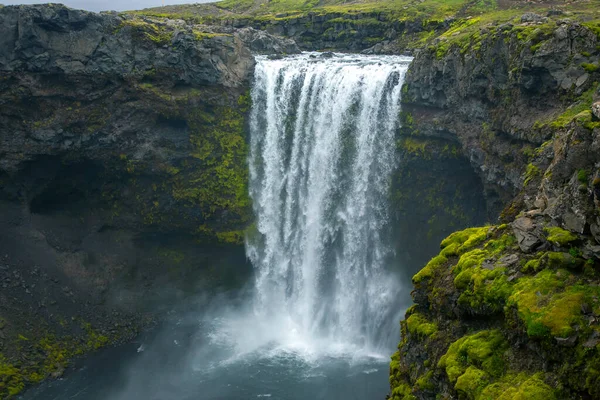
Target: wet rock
[{"x": 327, "y": 54}]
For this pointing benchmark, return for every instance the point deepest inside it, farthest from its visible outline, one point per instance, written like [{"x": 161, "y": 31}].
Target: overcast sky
[{"x": 102, "y": 5}]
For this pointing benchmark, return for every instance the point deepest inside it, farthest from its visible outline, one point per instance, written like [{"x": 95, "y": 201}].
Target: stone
[
  {"x": 582, "y": 79},
  {"x": 566, "y": 342},
  {"x": 524, "y": 229},
  {"x": 263, "y": 43},
  {"x": 596, "y": 110},
  {"x": 554, "y": 12},
  {"x": 574, "y": 221},
  {"x": 532, "y": 17},
  {"x": 508, "y": 260}
]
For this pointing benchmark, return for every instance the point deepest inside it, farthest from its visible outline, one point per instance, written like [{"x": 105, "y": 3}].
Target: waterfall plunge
[{"x": 322, "y": 152}]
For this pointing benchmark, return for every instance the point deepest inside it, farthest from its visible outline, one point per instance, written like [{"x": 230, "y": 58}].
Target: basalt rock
[
  {"x": 122, "y": 174},
  {"x": 510, "y": 311}
]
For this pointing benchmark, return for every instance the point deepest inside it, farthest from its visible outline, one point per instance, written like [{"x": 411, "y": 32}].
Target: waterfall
[{"x": 322, "y": 152}]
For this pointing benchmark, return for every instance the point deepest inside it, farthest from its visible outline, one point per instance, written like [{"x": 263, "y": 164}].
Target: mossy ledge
[{"x": 491, "y": 321}]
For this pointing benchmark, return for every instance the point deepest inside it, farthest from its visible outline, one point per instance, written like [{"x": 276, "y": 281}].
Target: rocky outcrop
[
  {"x": 340, "y": 31},
  {"x": 122, "y": 176},
  {"x": 511, "y": 311},
  {"x": 498, "y": 89}
]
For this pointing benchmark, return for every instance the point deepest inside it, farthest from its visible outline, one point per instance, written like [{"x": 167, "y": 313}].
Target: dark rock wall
[
  {"x": 122, "y": 176},
  {"x": 510, "y": 311}
]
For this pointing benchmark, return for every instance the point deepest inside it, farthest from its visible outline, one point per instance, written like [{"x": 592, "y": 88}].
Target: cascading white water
[{"x": 322, "y": 152}]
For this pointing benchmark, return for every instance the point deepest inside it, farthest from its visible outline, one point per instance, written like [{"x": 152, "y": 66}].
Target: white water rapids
[{"x": 322, "y": 151}]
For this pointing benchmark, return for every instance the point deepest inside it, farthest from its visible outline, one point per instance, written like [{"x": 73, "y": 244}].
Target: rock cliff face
[
  {"x": 122, "y": 175},
  {"x": 511, "y": 311}
]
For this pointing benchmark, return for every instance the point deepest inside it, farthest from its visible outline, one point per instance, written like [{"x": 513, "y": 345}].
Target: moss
[
  {"x": 402, "y": 392},
  {"x": 429, "y": 270},
  {"x": 519, "y": 387},
  {"x": 559, "y": 236},
  {"x": 154, "y": 32},
  {"x": 200, "y": 36},
  {"x": 46, "y": 355},
  {"x": 470, "y": 384},
  {"x": 418, "y": 325},
  {"x": 589, "y": 67},
  {"x": 424, "y": 382},
  {"x": 556, "y": 259},
  {"x": 466, "y": 238},
  {"x": 11, "y": 378},
  {"x": 531, "y": 172},
  {"x": 550, "y": 306},
  {"x": 582, "y": 176},
  {"x": 220, "y": 182},
  {"x": 582, "y": 104},
  {"x": 416, "y": 147},
  {"x": 532, "y": 266},
  {"x": 483, "y": 350},
  {"x": 232, "y": 237}
]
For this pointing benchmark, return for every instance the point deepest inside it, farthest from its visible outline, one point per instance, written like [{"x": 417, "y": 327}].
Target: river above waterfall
[{"x": 321, "y": 317}]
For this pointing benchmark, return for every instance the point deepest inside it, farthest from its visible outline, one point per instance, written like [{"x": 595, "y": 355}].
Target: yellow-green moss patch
[
  {"x": 559, "y": 236},
  {"x": 418, "y": 325}
]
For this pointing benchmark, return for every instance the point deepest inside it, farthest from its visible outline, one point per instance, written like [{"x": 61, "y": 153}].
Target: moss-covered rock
[{"x": 535, "y": 335}]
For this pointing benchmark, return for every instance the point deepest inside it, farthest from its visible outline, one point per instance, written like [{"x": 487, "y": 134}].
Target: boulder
[{"x": 527, "y": 233}]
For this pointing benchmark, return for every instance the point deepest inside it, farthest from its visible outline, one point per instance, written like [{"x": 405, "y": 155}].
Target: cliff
[
  {"x": 511, "y": 311},
  {"x": 122, "y": 176},
  {"x": 123, "y": 179}
]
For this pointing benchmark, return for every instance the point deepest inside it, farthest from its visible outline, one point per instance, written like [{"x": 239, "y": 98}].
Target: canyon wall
[{"x": 511, "y": 310}]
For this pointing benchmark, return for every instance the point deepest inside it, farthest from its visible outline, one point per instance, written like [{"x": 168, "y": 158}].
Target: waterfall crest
[{"x": 322, "y": 151}]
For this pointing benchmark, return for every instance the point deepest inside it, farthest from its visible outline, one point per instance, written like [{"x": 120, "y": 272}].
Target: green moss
[
  {"x": 483, "y": 350},
  {"x": 559, "y": 236},
  {"x": 532, "y": 266},
  {"x": 200, "y": 36},
  {"x": 418, "y": 325},
  {"x": 402, "y": 392},
  {"x": 556, "y": 259},
  {"x": 582, "y": 176},
  {"x": 154, "y": 32},
  {"x": 582, "y": 104},
  {"x": 429, "y": 270},
  {"x": 590, "y": 67},
  {"x": 48, "y": 355},
  {"x": 220, "y": 181},
  {"x": 548, "y": 305},
  {"x": 424, "y": 382},
  {"x": 416, "y": 147},
  {"x": 531, "y": 172},
  {"x": 466, "y": 238},
  {"x": 518, "y": 387},
  {"x": 11, "y": 378},
  {"x": 232, "y": 237},
  {"x": 470, "y": 384}
]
